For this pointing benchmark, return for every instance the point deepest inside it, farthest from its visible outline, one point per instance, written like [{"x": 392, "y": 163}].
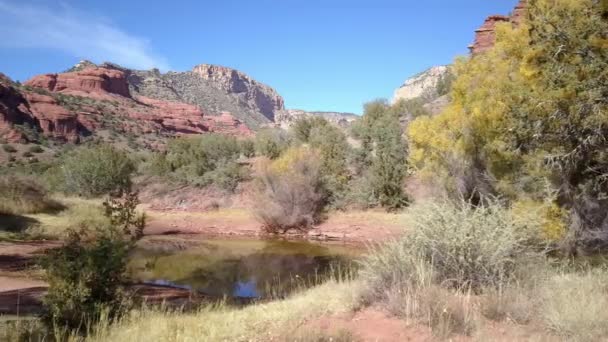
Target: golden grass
[
  {"x": 229, "y": 214},
  {"x": 574, "y": 305},
  {"x": 22, "y": 195},
  {"x": 79, "y": 213},
  {"x": 258, "y": 322}
]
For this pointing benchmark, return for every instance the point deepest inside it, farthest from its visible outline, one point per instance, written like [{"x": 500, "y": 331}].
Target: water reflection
[{"x": 244, "y": 269}]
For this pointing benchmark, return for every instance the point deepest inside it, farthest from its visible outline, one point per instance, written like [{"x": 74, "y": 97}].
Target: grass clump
[
  {"x": 573, "y": 304},
  {"x": 451, "y": 253},
  {"x": 24, "y": 195},
  {"x": 458, "y": 246}
]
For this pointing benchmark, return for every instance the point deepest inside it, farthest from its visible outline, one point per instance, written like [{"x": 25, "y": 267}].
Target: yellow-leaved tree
[{"x": 529, "y": 120}]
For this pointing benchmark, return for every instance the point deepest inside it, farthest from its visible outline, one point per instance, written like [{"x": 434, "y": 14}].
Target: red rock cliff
[
  {"x": 485, "y": 36},
  {"x": 90, "y": 80}
]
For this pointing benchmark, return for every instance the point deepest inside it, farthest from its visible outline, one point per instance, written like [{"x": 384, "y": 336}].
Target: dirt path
[{"x": 371, "y": 324}]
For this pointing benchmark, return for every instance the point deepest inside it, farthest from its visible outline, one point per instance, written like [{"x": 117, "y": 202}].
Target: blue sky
[{"x": 331, "y": 55}]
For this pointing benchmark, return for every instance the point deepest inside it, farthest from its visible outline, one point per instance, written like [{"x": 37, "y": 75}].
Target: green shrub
[
  {"x": 85, "y": 278},
  {"x": 303, "y": 127},
  {"x": 226, "y": 175},
  {"x": 290, "y": 192},
  {"x": 271, "y": 143},
  {"x": 24, "y": 195},
  {"x": 35, "y": 149},
  {"x": 9, "y": 148},
  {"x": 201, "y": 161},
  {"x": 247, "y": 147},
  {"x": 94, "y": 171},
  {"x": 87, "y": 274}
]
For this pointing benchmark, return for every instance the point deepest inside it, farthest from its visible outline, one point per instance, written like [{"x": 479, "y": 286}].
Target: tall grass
[
  {"x": 450, "y": 254},
  {"x": 574, "y": 305}
]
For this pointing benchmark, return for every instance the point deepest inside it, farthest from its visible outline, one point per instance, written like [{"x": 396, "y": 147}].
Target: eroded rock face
[
  {"x": 214, "y": 89},
  {"x": 88, "y": 80},
  {"x": 36, "y": 110},
  {"x": 53, "y": 120},
  {"x": 424, "y": 85},
  {"x": 286, "y": 118},
  {"x": 235, "y": 82},
  {"x": 485, "y": 36}
]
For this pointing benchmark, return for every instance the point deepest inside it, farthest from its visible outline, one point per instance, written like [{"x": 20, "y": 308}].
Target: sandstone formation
[
  {"x": 68, "y": 106},
  {"x": 89, "y": 80},
  {"x": 423, "y": 85},
  {"x": 286, "y": 118},
  {"x": 485, "y": 36}
]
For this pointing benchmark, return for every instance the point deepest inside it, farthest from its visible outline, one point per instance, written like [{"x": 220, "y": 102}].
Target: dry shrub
[
  {"x": 21, "y": 195},
  {"x": 290, "y": 192}
]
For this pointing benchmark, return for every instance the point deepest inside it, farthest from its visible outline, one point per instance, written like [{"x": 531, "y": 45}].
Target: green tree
[
  {"x": 334, "y": 151},
  {"x": 303, "y": 127},
  {"x": 528, "y": 118},
  {"x": 389, "y": 166},
  {"x": 384, "y": 153}
]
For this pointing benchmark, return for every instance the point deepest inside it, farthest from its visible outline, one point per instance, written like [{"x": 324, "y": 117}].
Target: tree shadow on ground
[{"x": 16, "y": 223}]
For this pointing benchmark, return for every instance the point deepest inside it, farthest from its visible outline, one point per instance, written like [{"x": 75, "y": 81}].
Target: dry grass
[
  {"x": 450, "y": 255},
  {"x": 21, "y": 195},
  {"x": 79, "y": 213},
  {"x": 258, "y": 322},
  {"x": 574, "y": 305}
]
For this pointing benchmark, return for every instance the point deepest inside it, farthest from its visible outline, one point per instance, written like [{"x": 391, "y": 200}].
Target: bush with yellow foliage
[{"x": 290, "y": 191}]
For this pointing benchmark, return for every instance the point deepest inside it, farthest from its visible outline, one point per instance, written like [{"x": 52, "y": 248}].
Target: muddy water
[{"x": 240, "y": 268}]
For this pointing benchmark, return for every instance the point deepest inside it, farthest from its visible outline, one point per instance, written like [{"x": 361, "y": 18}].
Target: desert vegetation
[{"x": 512, "y": 240}]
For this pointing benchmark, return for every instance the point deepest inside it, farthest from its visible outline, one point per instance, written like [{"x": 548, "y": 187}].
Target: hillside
[{"x": 98, "y": 102}]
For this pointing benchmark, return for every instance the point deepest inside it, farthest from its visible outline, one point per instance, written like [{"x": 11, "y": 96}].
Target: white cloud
[{"x": 81, "y": 34}]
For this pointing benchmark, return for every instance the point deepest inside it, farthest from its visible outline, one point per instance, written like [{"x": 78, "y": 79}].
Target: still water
[{"x": 241, "y": 268}]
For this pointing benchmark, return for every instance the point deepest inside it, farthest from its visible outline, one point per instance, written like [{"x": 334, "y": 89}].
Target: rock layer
[
  {"x": 485, "y": 36},
  {"x": 89, "y": 80}
]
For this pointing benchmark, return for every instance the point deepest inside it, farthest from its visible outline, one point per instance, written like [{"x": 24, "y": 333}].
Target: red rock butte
[
  {"x": 485, "y": 36},
  {"x": 37, "y": 104}
]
